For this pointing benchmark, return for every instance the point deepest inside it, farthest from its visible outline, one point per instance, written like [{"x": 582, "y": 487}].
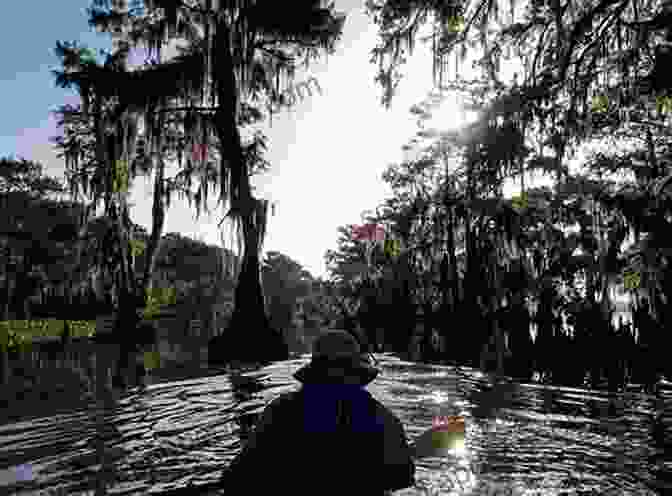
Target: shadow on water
[{"x": 175, "y": 433}]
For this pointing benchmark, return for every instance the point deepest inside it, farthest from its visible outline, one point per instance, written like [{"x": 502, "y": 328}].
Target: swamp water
[{"x": 520, "y": 438}]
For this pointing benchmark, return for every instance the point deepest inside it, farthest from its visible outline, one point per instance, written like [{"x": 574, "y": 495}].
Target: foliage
[
  {"x": 234, "y": 57},
  {"x": 34, "y": 230},
  {"x": 470, "y": 252},
  {"x": 286, "y": 284},
  {"x": 589, "y": 73},
  {"x": 26, "y": 177},
  {"x": 18, "y": 334}
]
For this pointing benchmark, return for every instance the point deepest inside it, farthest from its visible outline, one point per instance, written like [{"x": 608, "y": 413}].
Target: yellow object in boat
[
  {"x": 447, "y": 432},
  {"x": 450, "y": 423},
  {"x": 446, "y": 440},
  {"x": 445, "y": 435}
]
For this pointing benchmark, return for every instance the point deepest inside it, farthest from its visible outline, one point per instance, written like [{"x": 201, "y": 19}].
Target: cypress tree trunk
[
  {"x": 158, "y": 218},
  {"x": 249, "y": 334}
]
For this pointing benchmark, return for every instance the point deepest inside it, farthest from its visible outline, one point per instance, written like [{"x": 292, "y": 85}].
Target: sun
[{"x": 451, "y": 116}]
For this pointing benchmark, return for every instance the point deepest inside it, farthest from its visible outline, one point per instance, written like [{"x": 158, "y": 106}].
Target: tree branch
[{"x": 580, "y": 29}]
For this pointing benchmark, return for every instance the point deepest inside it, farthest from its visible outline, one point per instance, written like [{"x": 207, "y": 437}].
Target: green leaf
[
  {"x": 152, "y": 360},
  {"x": 664, "y": 104},
  {"x": 137, "y": 247},
  {"x": 392, "y": 247},
  {"x": 631, "y": 280},
  {"x": 120, "y": 177},
  {"x": 455, "y": 24},
  {"x": 87, "y": 55},
  {"x": 600, "y": 103},
  {"x": 520, "y": 202}
]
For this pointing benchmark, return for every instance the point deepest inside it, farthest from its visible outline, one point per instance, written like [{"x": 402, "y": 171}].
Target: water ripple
[{"x": 552, "y": 440}]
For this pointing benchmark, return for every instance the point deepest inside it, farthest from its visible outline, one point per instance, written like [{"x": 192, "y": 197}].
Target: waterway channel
[{"x": 520, "y": 438}]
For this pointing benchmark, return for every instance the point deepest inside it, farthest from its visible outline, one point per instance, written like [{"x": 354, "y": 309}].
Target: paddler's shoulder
[
  {"x": 380, "y": 409},
  {"x": 293, "y": 399},
  {"x": 384, "y": 414}
]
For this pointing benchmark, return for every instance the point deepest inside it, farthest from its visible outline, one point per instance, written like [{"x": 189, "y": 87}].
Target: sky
[{"x": 327, "y": 154}]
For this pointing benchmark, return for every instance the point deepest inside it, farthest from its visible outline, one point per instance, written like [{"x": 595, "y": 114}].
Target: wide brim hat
[{"x": 337, "y": 358}]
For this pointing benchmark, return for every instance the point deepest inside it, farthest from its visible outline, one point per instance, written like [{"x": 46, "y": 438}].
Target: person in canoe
[{"x": 330, "y": 432}]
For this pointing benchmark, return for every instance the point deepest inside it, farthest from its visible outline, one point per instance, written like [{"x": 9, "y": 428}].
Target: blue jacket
[{"x": 324, "y": 439}]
